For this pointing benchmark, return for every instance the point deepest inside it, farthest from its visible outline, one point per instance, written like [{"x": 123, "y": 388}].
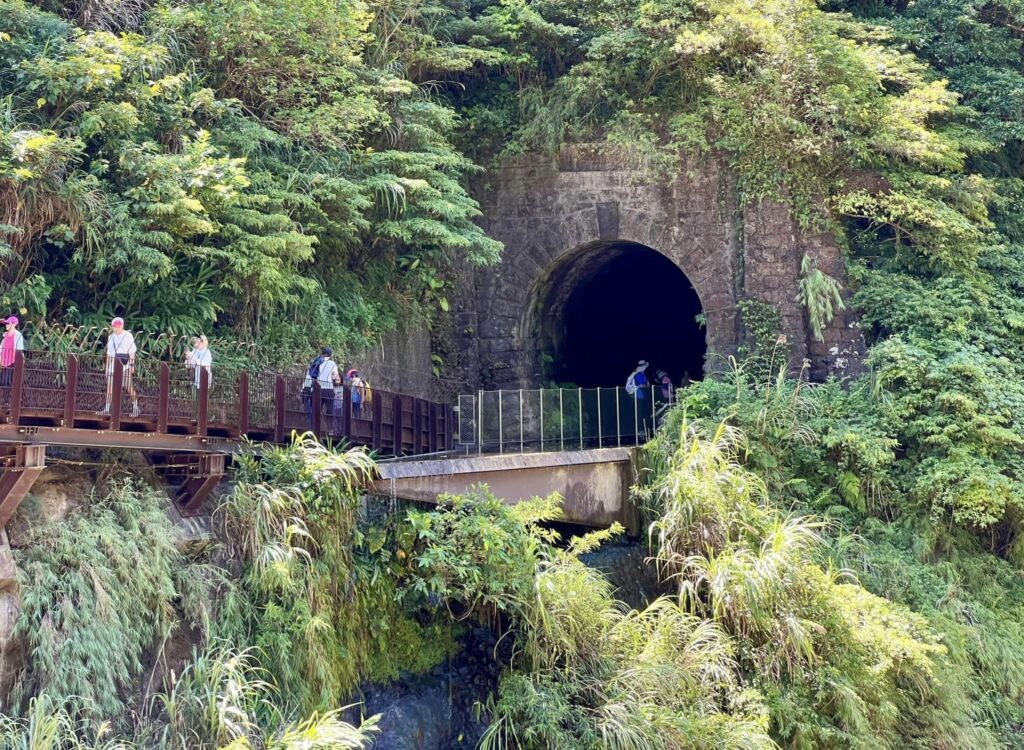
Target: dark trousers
[
  {"x": 6, "y": 376},
  {"x": 326, "y": 407}
]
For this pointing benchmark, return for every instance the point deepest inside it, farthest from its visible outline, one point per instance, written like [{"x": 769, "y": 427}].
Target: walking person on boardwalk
[
  {"x": 358, "y": 388},
  {"x": 13, "y": 342},
  {"x": 121, "y": 347},
  {"x": 200, "y": 358},
  {"x": 324, "y": 371}
]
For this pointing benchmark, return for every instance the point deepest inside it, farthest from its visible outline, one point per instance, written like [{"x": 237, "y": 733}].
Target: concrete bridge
[{"x": 594, "y": 484}]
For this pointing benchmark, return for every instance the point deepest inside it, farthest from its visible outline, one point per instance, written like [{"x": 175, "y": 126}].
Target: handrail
[{"x": 84, "y": 391}]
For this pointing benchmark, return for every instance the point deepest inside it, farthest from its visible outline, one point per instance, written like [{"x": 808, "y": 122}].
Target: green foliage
[{"x": 97, "y": 592}]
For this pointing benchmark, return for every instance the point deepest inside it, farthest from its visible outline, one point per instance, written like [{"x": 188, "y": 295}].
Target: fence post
[
  {"x": 417, "y": 426},
  {"x": 561, "y": 420},
  {"x": 396, "y": 424},
  {"x": 479, "y": 422},
  {"x": 579, "y": 397},
  {"x": 243, "y": 403},
  {"x": 600, "y": 440},
  {"x": 432, "y": 437},
  {"x": 521, "y": 450},
  {"x": 115, "y": 395},
  {"x": 203, "y": 418},
  {"x": 71, "y": 391},
  {"x": 501, "y": 427},
  {"x": 279, "y": 396},
  {"x": 636, "y": 419},
  {"x": 378, "y": 418},
  {"x": 542, "y": 420},
  {"x": 316, "y": 407},
  {"x": 654, "y": 413},
  {"x": 17, "y": 386},
  {"x": 163, "y": 397},
  {"x": 618, "y": 425},
  {"x": 346, "y": 412}
]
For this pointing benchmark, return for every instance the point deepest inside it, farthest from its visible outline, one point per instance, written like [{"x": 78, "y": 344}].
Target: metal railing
[
  {"x": 559, "y": 419},
  {"x": 86, "y": 391}
]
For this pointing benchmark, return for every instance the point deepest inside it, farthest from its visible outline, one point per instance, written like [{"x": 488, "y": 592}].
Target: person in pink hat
[
  {"x": 121, "y": 346},
  {"x": 12, "y": 343}
]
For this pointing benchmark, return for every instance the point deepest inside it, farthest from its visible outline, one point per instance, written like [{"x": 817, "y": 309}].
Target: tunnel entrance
[{"x": 610, "y": 304}]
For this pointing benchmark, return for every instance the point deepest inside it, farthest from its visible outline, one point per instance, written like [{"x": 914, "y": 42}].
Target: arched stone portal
[
  {"x": 608, "y": 304},
  {"x": 588, "y": 202}
]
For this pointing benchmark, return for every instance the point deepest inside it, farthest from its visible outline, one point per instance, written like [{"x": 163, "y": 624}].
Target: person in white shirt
[
  {"x": 201, "y": 358},
  {"x": 121, "y": 347},
  {"x": 325, "y": 370}
]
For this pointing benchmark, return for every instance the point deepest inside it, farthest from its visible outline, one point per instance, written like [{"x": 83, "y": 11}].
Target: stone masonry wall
[{"x": 546, "y": 213}]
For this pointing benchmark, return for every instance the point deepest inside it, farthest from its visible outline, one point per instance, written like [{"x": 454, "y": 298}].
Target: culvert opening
[{"x": 610, "y": 304}]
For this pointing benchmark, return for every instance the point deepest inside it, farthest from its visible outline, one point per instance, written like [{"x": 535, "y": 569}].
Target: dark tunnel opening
[{"x": 612, "y": 304}]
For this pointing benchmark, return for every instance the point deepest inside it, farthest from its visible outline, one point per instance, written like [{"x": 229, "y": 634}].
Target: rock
[
  {"x": 12, "y": 655},
  {"x": 56, "y": 492}
]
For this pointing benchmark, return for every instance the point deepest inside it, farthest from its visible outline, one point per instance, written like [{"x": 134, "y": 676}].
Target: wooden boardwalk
[{"x": 53, "y": 398}]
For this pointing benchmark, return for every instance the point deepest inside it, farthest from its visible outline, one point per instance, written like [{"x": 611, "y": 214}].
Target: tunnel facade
[{"x": 582, "y": 226}]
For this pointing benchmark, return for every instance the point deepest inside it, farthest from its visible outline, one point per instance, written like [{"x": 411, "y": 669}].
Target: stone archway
[
  {"x": 544, "y": 213},
  {"x": 608, "y": 304}
]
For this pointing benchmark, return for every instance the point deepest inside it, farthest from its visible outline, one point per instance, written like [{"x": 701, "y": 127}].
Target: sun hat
[
  {"x": 117, "y": 322},
  {"x": 351, "y": 372},
  {"x": 12, "y": 320},
  {"x": 327, "y": 351}
]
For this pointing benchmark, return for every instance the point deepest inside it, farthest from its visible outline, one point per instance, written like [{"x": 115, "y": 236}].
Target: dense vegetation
[{"x": 843, "y": 563}]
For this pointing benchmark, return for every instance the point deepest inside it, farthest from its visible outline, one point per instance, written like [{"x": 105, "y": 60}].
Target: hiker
[
  {"x": 666, "y": 385},
  {"x": 353, "y": 381},
  {"x": 325, "y": 372},
  {"x": 200, "y": 358},
  {"x": 637, "y": 381},
  {"x": 121, "y": 347},
  {"x": 13, "y": 342}
]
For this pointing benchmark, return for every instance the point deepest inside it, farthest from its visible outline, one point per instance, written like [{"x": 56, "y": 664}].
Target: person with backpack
[
  {"x": 666, "y": 386},
  {"x": 324, "y": 371},
  {"x": 13, "y": 342},
  {"x": 637, "y": 381},
  {"x": 358, "y": 390}
]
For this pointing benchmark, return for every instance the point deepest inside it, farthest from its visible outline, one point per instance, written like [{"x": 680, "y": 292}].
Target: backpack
[
  {"x": 631, "y": 384},
  {"x": 314, "y": 368}
]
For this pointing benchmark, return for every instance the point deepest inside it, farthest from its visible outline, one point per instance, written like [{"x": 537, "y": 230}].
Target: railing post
[
  {"x": 378, "y": 418},
  {"x": 71, "y": 391},
  {"x": 243, "y": 403},
  {"x": 163, "y": 398},
  {"x": 542, "y": 420},
  {"x": 449, "y": 427},
  {"x": 346, "y": 412},
  {"x": 316, "y": 407},
  {"x": 636, "y": 419},
  {"x": 397, "y": 426},
  {"x": 654, "y": 413},
  {"x": 432, "y": 436},
  {"x": 17, "y": 386},
  {"x": 417, "y": 426},
  {"x": 115, "y": 394},
  {"x": 561, "y": 420},
  {"x": 203, "y": 417},
  {"x": 501, "y": 426},
  {"x": 618, "y": 425},
  {"x": 480, "y": 422},
  {"x": 579, "y": 396},
  {"x": 279, "y": 404},
  {"x": 600, "y": 441}
]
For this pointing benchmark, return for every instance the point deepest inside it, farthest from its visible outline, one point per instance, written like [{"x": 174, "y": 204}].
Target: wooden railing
[{"x": 67, "y": 390}]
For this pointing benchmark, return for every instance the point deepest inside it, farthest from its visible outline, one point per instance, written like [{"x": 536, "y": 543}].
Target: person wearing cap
[
  {"x": 637, "y": 380},
  {"x": 666, "y": 385},
  {"x": 200, "y": 358},
  {"x": 12, "y": 343},
  {"x": 325, "y": 371},
  {"x": 358, "y": 388},
  {"x": 121, "y": 347}
]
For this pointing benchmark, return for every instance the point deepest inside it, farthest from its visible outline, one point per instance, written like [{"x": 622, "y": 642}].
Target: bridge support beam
[
  {"x": 22, "y": 466},
  {"x": 193, "y": 477}
]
